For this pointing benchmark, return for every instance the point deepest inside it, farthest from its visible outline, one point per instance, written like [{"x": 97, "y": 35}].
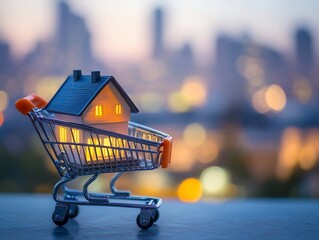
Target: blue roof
[{"x": 73, "y": 97}]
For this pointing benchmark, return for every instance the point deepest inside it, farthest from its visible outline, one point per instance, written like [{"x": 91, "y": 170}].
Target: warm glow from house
[
  {"x": 106, "y": 149},
  {"x": 98, "y": 111},
  {"x": 93, "y": 153},
  {"x": 118, "y": 109},
  {"x": 275, "y": 97},
  {"x": 62, "y": 134},
  {"x": 76, "y": 136},
  {"x": 190, "y": 190}
]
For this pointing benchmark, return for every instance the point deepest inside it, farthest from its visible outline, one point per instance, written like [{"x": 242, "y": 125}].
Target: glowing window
[
  {"x": 107, "y": 152},
  {"x": 89, "y": 153},
  {"x": 75, "y": 136},
  {"x": 98, "y": 111},
  {"x": 93, "y": 152},
  {"x": 118, "y": 109},
  {"x": 62, "y": 134}
]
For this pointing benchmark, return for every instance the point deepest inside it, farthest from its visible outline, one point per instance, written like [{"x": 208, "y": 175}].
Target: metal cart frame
[{"x": 107, "y": 152}]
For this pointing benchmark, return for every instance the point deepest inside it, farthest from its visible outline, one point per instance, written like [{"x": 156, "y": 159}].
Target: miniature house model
[{"x": 97, "y": 101}]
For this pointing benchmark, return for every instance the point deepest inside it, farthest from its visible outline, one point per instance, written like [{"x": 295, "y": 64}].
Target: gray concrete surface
[{"x": 27, "y": 216}]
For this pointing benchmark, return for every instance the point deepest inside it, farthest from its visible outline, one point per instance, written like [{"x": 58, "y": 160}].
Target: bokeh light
[
  {"x": 153, "y": 70},
  {"x": 208, "y": 152},
  {"x": 178, "y": 103},
  {"x": 275, "y": 97},
  {"x": 215, "y": 180},
  {"x": 190, "y": 190},
  {"x": 194, "y": 135},
  {"x": 153, "y": 182},
  {"x": 194, "y": 91},
  {"x": 207, "y": 86},
  {"x": 307, "y": 157},
  {"x": 288, "y": 152},
  {"x": 183, "y": 157},
  {"x": 151, "y": 102},
  {"x": 1, "y": 118},
  {"x": 259, "y": 102},
  {"x": 253, "y": 70},
  {"x": 47, "y": 87},
  {"x": 3, "y": 100},
  {"x": 302, "y": 90}
]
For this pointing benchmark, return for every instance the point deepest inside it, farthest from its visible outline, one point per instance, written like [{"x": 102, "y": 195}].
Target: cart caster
[
  {"x": 60, "y": 221},
  {"x": 60, "y": 215},
  {"x": 156, "y": 217},
  {"x": 143, "y": 223},
  {"x": 147, "y": 217},
  {"x": 73, "y": 211}
]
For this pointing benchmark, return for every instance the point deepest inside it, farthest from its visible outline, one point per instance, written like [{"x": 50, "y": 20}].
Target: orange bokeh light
[
  {"x": 190, "y": 190},
  {"x": 1, "y": 119}
]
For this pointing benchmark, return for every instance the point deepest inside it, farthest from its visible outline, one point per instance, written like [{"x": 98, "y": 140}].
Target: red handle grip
[
  {"x": 26, "y": 104},
  {"x": 167, "y": 152}
]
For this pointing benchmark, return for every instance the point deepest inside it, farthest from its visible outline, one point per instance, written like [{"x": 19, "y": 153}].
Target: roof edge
[{"x": 126, "y": 97}]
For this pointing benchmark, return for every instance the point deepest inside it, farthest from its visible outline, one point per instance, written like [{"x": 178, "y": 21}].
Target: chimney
[
  {"x": 77, "y": 74},
  {"x": 95, "y": 76}
]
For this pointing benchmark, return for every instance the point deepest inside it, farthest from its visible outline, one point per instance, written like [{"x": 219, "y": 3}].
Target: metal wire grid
[{"x": 103, "y": 151}]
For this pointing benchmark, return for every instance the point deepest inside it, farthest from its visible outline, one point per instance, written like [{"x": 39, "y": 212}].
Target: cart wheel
[
  {"x": 156, "y": 217},
  {"x": 73, "y": 211},
  {"x": 143, "y": 225},
  {"x": 60, "y": 222}
]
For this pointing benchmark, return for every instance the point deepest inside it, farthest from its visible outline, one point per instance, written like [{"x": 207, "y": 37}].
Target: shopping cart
[{"x": 108, "y": 152}]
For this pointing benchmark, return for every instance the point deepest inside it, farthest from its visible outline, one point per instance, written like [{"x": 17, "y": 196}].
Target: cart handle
[
  {"x": 26, "y": 104},
  {"x": 167, "y": 151}
]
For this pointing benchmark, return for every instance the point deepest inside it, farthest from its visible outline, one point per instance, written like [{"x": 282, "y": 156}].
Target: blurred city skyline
[
  {"x": 23, "y": 25},
  {"x": 246, "y": 120}
]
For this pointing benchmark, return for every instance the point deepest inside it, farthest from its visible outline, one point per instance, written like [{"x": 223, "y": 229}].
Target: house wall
[
  {"x": 68, "y": 118},
  {"x": 108, "y": 98},
  {"x": 68, "y": 135},
  {"x": 121, "y": 128}
]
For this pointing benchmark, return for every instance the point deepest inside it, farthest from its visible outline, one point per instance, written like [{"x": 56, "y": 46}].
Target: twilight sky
[{"x": 121, "y": 30}]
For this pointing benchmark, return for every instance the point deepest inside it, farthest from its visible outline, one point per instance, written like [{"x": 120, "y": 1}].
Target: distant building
[
  {"x": 69, "y": 49},
  {"x": 229, "y": 83},
  {"x": 6, "y": 61},
  {"x": 304, "y": 51},
  {"x": 158, "y": 45}
]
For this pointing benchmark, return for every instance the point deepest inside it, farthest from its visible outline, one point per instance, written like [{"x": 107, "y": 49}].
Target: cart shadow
[
  {"x": 150, "y": 233},
  {"x": 70, "y": 231}
]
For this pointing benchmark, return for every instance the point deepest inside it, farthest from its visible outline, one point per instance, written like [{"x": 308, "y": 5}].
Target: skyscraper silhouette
[
  {"x": 69, "y": 49},
  {"x": 5, "y": 61},
  {"x": 158, "y": 33},
  {"x": 230, "y": 83},
  {"x": 304, "y": 51}
]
